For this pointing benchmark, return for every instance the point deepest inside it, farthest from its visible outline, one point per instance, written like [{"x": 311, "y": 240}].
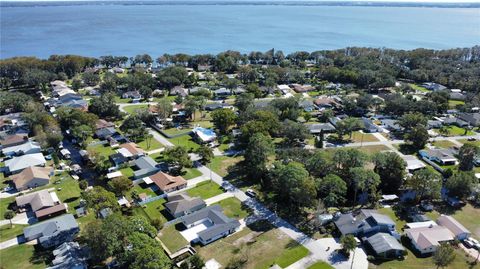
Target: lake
[{"x": 95, "y": 30}]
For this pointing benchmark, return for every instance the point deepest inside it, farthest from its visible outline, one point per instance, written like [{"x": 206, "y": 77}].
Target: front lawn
[
  {"x": 205, "y": 190},
  {"x": 172, "y": 238},
  {"x": 373, "y": 149},
  {"x": 455, "y": 103},
  {"x": 177, "y": 131},
  {"x": 4, "y": 204},
  {"x": 320, "y": 265},
  {"x": 191, "y": 173},
  {"x": 103, "y": 150},
  {"x": 151, "y": 145},
  {"x": 358, "y": 137},
  {"x": 232, "y": 207},
  {"x": 443, "y": 144},
  {"x": 154, "y": 210},
  {"x": 418, "y": 88},
  {"x": 133, "y": 108},
  {"x": 293, "y": 253},
  {"x": 185, "y": 141},
  {"x": 7, "y": 232},
  {"x": 456, "y": 131},
  {"x": 23, "y": 257}
]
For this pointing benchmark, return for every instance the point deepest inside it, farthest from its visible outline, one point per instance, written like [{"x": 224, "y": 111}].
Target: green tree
[
  {"x": 444, "y": 255},
  {"x": 178, "y": 157},
  {"x": 346, "y": 159},
  {"x": 466, "y": 156},
  {"x": 223, "y": 119},
  {"x": 417, "y": 137},
  {"x": 134, "y": 128},
  {"x": 365, "y": 181},
  {"x": 205, "y": 153},
  {"x": 98, "y": 198},
  {"x": 256, "y": 155},
  {"x": 287, "y": 108},
  {"x": 120, "y": 185},
  {"x": 193, "y": 262},
  {"x": 426, "y": 184},
  {"x": 294, "y": 132},
  {"x": 348, "y": 243},
  {"x": 391, "y": 169},
  {"x": 104, "y": 106},
  {"x": 244, "y": 101},
  {"x": 9, "y": 214},
  {"x": 461, "y": 184},
  {"x": 254, "y": 89},
  {"x": 319, "y": 164},
  {"x": 332, "y": 189},
  {"x": 411, "y": 120},
  {"x": 164, "y": 108}
]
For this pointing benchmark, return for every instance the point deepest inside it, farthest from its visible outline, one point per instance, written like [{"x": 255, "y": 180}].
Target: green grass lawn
[
  {"x": 263, "y": 249},
  {"x": 443, "y": 144},
  {"x": 469, "y": 217},
  {"x": 185, "y": 141},
  {"x": 205, "y": 190},
  {"x": 232, "y": 207},
  {"x": 320, "y": 265},
  {"x": 476, "y": 143},
  {"x": 119, "y": 99},
  {"x": 4, "y": 203},
  {"x": 455, "y": 103},
  {"x": 357, "y": 137},
  {"x": 127, "y": 171},
  {"x": 172, "y": 239},
  {"x": 7, "y": 232},
  {"x": 104, "y": 150},
  {"x": 154, "y": 144},
  {"x": 456, "y": 131},
  {"x": 21, "y": 257},
  {"x": 133, "y": 108},
  {"x": 418, "y": 88},
  {"x": 389, "y": 212},
  {"x": 177, "y": 131},
  {"x": 70, "y": 191},
  {"x": 191, "y": 173},
  {"x": 373, "y": 149},
  {"x": 154, "y": 210},
  {"x": 220, "y": 164}
]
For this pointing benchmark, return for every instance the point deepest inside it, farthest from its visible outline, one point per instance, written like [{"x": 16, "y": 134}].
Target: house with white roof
[
  {"x": 28, "y": 147},
  {"x": 454, "y": 226},
  {"x": 427, "y": 239},
  {"x": 17, "y": 164}
]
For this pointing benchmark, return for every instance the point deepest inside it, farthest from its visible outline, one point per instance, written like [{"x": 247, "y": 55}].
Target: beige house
[
  {"x": 427, "y": 239},
  {"x": 454, "y": 226},
  {"x": 32, "y": 177}
]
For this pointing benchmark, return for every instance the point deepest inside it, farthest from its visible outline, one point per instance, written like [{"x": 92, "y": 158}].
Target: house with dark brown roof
[
  {"x": 167, "y": 183},
  {"x": 13, "y": 140}
]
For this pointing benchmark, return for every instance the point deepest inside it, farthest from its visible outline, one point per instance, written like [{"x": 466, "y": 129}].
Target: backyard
[{"x": 172, "y": 239}]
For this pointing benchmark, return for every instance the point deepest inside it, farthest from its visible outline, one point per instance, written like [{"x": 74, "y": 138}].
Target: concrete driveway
[{"x": 12, "y": 242}]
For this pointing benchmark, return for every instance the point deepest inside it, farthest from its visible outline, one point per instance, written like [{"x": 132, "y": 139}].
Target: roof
[
  {"x": 206, "y": 135},
  {"x": 391, "y": 124},
  {"x": 22, "y": 178},
  {"x": 383, "y": 242},
  {"x": 452, "y": 224},
  {"x": 412, "y": 162},
  {"x": 426, "y": 237},
  {"x": 69, "y": 255},
  {"x": 37, "y": 200},
  {"x": 318, "y": 127},
  {"x": 101, "y": 123},
  {"x": 118, "y": 158},
  {"x": 24, "y": 161},
  {"x": 13, "y": 140},
  {"x": 50, "y": 210},
  {"x": 429, "y": 223},
  {"x": 182, "y": 202},
  {"x": 114, "y": 174},
  {"x": 220, "y": 222},
  {"x": 132, "y": 148},
  {"x": 165, "y": 181},
  {"x": 145, "y": 165},
  {"x": 104, "y": 132},
  {"x": 25, "y": 147},
  {"x": 51, "y": 227},
  {"x": 348, "y": 224},
  {"x": 379, "y": 218},
  {"x": 441, "y": 154}
]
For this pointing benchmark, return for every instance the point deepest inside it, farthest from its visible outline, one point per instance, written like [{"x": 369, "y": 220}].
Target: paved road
[{"x": 397, "y": 141}]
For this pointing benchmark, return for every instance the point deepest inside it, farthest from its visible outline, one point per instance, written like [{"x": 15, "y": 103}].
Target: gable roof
[
  {"x": 383, "y": 242},
  {"x": 452, "y": 224},
  {"x": 24, "y": 147},
  {"x": 182, "y": 202},
  {"x": 24, "y": 161},
  {"x": 133, "y": 148},
  {"x": 426, "y": 237},
  {"x": 51, "y": 227},
  {"x": 146, "y": 165},
  {"x": 37, "y": 200},
  {"x": 30, "y": 173},
  {"x": 101, "y": 123},
  {"x": 13, "y": 140},
  {"x": 165, "y": 181}
]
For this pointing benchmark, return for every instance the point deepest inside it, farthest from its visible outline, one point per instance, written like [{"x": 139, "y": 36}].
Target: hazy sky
[{"x": 425, "y": 1}]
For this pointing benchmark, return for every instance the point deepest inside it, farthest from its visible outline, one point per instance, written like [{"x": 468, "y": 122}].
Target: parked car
[
  {"x": 250, "y": 193},
  {"x": 468, "y": 243},
  {"x": 471, "y": 139}
]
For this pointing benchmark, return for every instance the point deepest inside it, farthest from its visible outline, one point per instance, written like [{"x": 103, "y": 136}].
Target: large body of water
[{"x": 95, "y": 30}]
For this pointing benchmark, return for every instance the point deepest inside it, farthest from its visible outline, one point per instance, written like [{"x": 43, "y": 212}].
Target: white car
[{"x": 250, "y": 193}]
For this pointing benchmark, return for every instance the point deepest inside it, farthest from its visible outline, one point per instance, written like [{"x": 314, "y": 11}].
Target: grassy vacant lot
[
  {"x": 172, "y": 238},
  {"x": 320, "y": 265},
  {"x": 205, "y": 190},
  {"x": 469, "y": 216},
  {"x": 133, "y": 108},
  {"x": 154, "y": 144},
  {"x": 220, "y": 164},
  {"x": 185, "y": 141},
  {"x": 373, "y": 149},
  {"x": 357, "y": 137},
  {"x": 443, "y": 144},
  {"x": 104, "y": 150},
  {"x": 263, "y": 249},
  {"x": 232, "y": 207},
  {"x": 7, "y": 232},
  {"x": 21, "y": 257}
]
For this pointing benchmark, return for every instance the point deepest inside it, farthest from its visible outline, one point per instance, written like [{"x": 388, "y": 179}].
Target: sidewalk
[{"x": 218, "y": 198}]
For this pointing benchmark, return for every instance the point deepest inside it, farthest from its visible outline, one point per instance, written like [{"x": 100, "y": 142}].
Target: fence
[{"x": 152, "y": 199}]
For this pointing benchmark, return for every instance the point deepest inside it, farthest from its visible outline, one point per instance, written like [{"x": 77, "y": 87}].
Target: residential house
[
  {"x": 239, "y": 90},
  {"x": 384, "y": 245},
  {"x": 431, "y": 124},
  {"x": 215, "y": 106},
  {"x": 298, "y": 88},
  {"x": 433, "y": 86},
  {"x": 181, "y": 204},
  {"x": 29, "y": 147},
  {"x": 284, "y": 89},
  {"x": 13, "y": 140},
  {"x": 70, "y": 100},
  {"x": 145, "y": 166},
  {"x": 104, "y": 213},
  {"x": 427, "y": 239},
  {"x": 53, "y": 232},
  {"x": 324, "y": 102},
  {"x": 69, "y": 255},
  {"x": 32, "y": 177},
  {"x": 208, "y": 224},
  {"x": 472, "y": 118},
  {"x": 101, "y": 123},
  {"x": 413, "y": 163},
  {"x": 104, "y": 133},
  {"x": 130, "y": 150},
  {"x": 43, "y": 203},
  {"x": 369, "y": 126},
  {"x": 116, "y": 70},
  {"x": 204, "y": 135},
  {"x": 179, "y": 91},
  {"x": 307, "y": 105},
  {"x": 165, "y": 182},
  {"x": 391, "y": 125},
  {"x": 457, "y": 96},
  {"x": 457, "y": 229},
  {"x": 440, "y": 156},
  {"x": 365, "y": 223},
  {"x": 60, "y": 88},
  {"x": 222, "y": 92},
  {"x": 317, "y": 128},
  {"x": 454, "y": 121},
  {"x": 134, "y": 95},
  {"x": 18, "y": 163},
  {"x": 118, "y": 159}
]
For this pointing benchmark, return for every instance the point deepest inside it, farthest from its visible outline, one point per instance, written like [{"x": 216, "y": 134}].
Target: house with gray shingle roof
[
  {"x": 366, "y": 223},
  {"x": 145, "y": 166},
  {"x": 17, "y": 164},
  {"x": 53, "y": 232},
  {"x": 69, "y": 255},
  {"x": 182, "y": 204},
  {"x": 384, "y": 245}
]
